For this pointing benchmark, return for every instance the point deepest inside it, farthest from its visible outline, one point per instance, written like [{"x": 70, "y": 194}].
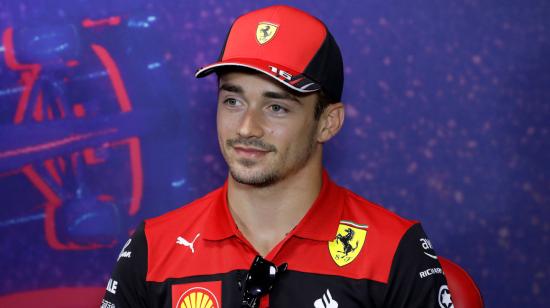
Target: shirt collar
[
  {"x": 320, "y": 222},
  {"x": 221, "y": 222}
]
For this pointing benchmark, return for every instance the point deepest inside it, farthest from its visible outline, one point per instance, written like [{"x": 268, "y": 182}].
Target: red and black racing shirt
[{"x": 346, "y": 252}]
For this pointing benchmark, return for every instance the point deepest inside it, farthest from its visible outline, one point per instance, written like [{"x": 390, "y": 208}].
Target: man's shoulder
[
  {"x": 177, "y": 234},
  {"x": 376, "y": 230},
  {"x": 185, "y": 214},
  {"x": 375, "y": 212},
  {"x": 375, "y": 215}
]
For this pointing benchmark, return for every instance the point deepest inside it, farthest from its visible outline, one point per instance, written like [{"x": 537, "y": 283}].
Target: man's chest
[
  {"x": 213, "y": 274},
  {"x": 293, "y": 289}
]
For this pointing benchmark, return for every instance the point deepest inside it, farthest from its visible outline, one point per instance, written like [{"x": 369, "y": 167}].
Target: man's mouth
[
  {"x": 250, "y": 148},
  {"x": 250, "y": 152}
]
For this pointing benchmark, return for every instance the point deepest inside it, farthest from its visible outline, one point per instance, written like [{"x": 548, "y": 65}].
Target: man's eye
[
  {"x": 278, "y": 108},
  {"x": 231, "y": 102}
]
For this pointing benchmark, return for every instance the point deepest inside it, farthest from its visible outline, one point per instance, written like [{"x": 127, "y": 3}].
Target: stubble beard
[
  {"x": 273, "y": 173},
  {"x": 263, "y": 179}
]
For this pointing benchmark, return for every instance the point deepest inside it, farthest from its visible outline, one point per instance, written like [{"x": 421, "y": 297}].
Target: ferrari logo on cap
[
  {"x": 349, "y": 241},
  {"x": 265, "y": 32}
]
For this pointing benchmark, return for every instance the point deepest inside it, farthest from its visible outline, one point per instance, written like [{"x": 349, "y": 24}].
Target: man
[{"x": 311, "y": 243}]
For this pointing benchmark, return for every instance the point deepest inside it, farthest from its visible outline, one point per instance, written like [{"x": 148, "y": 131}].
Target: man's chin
[
  {"x": 247, "y": 163},
  {"x": 257, "y": 179}
]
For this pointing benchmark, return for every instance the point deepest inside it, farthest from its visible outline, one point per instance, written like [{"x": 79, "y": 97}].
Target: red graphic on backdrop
[{"x": 62, "y": 179}]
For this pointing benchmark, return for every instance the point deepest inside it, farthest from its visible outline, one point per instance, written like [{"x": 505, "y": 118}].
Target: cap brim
[{"x": 289, "y": 78}]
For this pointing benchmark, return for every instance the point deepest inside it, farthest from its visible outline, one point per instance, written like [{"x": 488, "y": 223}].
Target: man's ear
[{"x": 330, "y": 122}]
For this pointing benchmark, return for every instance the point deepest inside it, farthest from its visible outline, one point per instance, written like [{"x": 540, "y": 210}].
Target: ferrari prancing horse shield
[
  {"x": 265, "y": 32},
  {"x": 348, "y": 242}
]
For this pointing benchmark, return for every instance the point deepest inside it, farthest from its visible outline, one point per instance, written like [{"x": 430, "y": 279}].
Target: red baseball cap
[{"x": 287, "y": 44}]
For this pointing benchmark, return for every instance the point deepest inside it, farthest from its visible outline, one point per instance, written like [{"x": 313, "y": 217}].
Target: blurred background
[{"x": 102, "y": 125}]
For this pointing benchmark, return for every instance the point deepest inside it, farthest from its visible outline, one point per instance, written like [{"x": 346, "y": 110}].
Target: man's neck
[{"x": 266, "y": 215}]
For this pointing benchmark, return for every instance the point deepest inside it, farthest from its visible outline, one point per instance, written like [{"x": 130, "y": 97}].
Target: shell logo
[{"x": 198, "y": 297}]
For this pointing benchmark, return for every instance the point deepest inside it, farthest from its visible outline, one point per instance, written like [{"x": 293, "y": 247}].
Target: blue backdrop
[{"x": 102, "y": 124}]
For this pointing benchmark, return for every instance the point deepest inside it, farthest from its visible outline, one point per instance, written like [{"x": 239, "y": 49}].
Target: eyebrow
[
  {"x": 231, "y": 88},
  {"x": 282, "y": 95},
  {"x": 269, "y": 94}
]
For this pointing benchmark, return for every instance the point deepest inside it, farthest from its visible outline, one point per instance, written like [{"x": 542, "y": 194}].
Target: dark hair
[{"x": 322, "y": 104}]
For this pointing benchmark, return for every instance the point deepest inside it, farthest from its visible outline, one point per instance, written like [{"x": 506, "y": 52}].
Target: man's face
[{"x": 265, "y": 132}]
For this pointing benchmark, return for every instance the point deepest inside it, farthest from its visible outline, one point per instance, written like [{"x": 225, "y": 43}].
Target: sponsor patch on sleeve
[
  {"x": 428, "y": 249},
  {"x": 444, "y": 297},
  {"x": 430, "y": 271},
  {"x": 124, "y": 252},
  {"x": 107, "y": 304}
]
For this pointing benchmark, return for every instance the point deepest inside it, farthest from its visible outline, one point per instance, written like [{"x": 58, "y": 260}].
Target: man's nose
[{"x": 251, "y": 124}]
